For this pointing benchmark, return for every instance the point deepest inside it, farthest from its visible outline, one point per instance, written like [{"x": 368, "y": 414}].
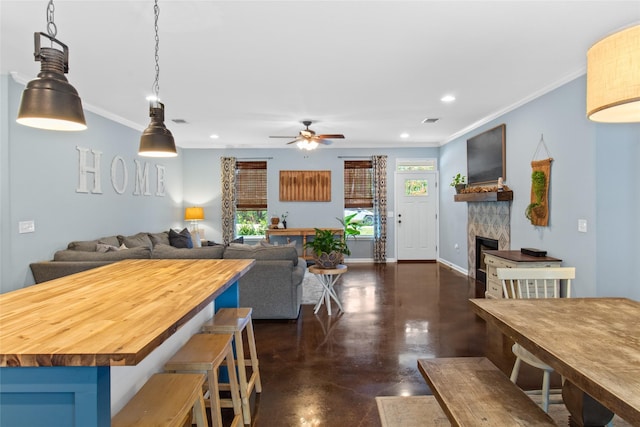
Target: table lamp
[{"x": 194, "y": 214}]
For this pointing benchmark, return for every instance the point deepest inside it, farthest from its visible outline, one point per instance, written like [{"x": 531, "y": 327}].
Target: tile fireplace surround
[{"x": 491, "y": 220}]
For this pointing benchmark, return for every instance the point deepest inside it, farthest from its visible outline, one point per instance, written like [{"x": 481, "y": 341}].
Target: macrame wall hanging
[{"x": 538, "y": 210}]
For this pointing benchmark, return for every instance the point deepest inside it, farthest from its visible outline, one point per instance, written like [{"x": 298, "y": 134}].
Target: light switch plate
[
  {"x": 582, "y": 225},
  {"x": 26, "y": 227}
]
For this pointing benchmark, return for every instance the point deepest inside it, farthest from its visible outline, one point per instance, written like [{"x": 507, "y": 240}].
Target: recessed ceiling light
[
  {"x": 214, "y": 136},
  {"x": 448, "y": 98},
  {"x": 430, "y": 120},
  {"x": 179, "y": 121},
  {"x": 404, "y": 135}
]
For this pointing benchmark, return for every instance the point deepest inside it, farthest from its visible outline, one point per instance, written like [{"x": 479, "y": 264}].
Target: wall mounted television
[{"x": 486, "y": 156}]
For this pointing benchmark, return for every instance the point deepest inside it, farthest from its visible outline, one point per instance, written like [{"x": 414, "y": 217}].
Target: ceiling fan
[{"x": 307, "y": 138}]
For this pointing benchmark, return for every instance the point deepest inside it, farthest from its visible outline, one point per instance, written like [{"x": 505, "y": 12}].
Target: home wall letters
[{"x": 90, "y": 172}]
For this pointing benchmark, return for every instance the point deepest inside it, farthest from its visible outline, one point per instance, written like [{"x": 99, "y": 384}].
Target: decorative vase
[
  {"x": 328, "y": 260},
  {"x": 460, "y": 187},
  {"x": 284, "y": 222}
]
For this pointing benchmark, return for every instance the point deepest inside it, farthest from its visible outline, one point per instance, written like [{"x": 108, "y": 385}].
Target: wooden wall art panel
[{"x": 305, "y": 186}]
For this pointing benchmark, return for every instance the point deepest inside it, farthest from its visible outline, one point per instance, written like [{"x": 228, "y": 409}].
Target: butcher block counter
[{"x": 85, "y": 323}]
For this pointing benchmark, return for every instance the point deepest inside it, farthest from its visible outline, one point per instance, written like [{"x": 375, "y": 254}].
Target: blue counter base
[{"x": 55, "y": 395}]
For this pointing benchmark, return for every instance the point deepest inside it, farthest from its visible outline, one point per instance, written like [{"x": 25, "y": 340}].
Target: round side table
[{"x": 327, "y": 278}]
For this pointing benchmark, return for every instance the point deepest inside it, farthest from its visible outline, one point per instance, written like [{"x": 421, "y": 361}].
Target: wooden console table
[
  {"x": 59, "y": 339},
  {"x": 300, "y": 236}
]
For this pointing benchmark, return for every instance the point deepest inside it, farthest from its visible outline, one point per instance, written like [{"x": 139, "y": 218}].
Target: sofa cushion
[
  {"x": 162, "y": 251},
  {"x": 180, "y": 240},
  {"x": 91, "y": 245},
  {"x": 135, "y": 241},
  {"x": 261, "y": 253},
  {"x": 160, "y": 238},
  {"x": 270, "y": 245},
  {"x": 74, "y": 255}
]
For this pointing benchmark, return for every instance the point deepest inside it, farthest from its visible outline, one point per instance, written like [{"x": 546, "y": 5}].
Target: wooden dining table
[
  {"x": 594, "y": 343},
  {"x": 59, "y": 339}
]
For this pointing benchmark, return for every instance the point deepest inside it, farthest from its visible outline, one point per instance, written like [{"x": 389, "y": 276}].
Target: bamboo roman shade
[
  {"x": 358, "y": 184},
  {"x": 251, "y": 185}
]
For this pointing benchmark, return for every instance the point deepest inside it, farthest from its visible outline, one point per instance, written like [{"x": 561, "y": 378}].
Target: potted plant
[
  {"x": 459, "y": 182},
  {"x": 351, "y": 226},
  {"x": 327, "y": 250}
]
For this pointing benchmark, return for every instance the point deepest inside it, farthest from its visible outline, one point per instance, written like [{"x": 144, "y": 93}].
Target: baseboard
[
  {"x": 454, "y": 266},
  {"x": 364, "y": 260}
]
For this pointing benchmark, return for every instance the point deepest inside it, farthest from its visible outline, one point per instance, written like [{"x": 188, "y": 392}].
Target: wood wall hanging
[
  {"x": 305, "y": 186},
  {"x": 538, "y": 210}
]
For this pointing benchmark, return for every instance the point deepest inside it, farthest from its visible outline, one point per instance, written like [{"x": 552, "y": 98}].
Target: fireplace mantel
[{"x": 488, "y": 196}]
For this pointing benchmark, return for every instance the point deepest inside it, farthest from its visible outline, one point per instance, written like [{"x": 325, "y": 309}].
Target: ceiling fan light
[
  {"x": 49, "y": 101},
  {"x": 157, "y": 140},
  {"x": 306, "y": 144}
]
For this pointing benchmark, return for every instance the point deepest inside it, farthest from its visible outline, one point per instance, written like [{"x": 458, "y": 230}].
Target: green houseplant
[
  {"x": 327, "y": 250},
  {"x": 350, "y": 225},
  {"x": 538, "y": 186},
  {"x": 459, "y": 182}
]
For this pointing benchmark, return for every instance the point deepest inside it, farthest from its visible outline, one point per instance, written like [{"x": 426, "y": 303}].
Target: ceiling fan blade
[
  {"x": 330, "y": 136},
  {"x": 294, "y": 141},
  {"x": 288, "y": 137}
]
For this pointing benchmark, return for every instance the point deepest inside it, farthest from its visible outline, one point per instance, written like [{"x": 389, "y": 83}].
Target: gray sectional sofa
[{"x": 273, "y": 287}]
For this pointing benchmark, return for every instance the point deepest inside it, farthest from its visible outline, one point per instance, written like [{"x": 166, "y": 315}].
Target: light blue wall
[
  {"x": 202, "y": 186},
  {"x": 39, "y": 179},
  {"x": 591, "y": 160},
  {"x": 592, "y": 178}
]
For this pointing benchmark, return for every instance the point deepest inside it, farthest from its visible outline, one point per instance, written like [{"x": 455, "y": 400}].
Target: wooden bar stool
[
  {"x": 205, "y": 353},
  {"x": 235, "y": 320},
  {"x": 165, "y": 400}
]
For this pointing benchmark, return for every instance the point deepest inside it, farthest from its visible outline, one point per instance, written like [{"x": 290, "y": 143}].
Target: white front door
[{"x": 416, "y": 215}]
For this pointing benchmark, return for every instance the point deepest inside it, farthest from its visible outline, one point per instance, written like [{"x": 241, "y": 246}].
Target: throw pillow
[
  {"x": 104, "y": 248},
  {"x": 180, "y": 240}
]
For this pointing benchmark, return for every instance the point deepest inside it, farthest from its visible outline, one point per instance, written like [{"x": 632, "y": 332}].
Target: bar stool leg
[
  {"x": 233, "y": 385},
  {"x": 214, "y": 398},
  {"x": 254, "y": 357},
  {"x": 200, "y": 412}
]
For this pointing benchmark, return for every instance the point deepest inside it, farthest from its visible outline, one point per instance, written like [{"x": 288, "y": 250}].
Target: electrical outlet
[
  {"x": 582, "y": 225},
  {"x": 26, "y": 227}
]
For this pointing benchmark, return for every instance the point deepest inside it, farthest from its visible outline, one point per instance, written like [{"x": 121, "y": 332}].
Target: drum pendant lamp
[
  {"x": 157, "y": 140},
  {"x": 49, "y": 101}
]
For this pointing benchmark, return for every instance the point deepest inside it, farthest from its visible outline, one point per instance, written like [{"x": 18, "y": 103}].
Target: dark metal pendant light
[
  {"x": 50, "y": 102},
  {"x": 157, "y": 140}
]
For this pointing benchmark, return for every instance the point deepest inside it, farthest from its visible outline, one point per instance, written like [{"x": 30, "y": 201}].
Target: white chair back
[{"x": 535, "y": 282}]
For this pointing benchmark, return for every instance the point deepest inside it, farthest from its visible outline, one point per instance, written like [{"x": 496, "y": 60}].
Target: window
[
  {"x": 358, "y": 195},
  {"x": 251, "y": 198},
  {"x": 410, "y": 165}
]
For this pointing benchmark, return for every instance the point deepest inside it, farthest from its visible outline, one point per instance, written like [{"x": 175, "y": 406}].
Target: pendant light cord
[
  {"x": 156, "y": 83},
  {"x": 51, "y": 26}
]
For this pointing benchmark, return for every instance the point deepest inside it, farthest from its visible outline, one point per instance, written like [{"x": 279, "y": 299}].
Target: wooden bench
[
  {"x": 165, "y": 400},
  {"x": 472, "y": 391}
]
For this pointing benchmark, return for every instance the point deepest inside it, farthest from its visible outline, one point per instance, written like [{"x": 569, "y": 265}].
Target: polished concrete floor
[{"x": 327, "y": 370}]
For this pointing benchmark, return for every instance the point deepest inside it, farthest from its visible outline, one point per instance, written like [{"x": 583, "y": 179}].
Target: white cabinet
[{"x": 511, "y": 259}]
